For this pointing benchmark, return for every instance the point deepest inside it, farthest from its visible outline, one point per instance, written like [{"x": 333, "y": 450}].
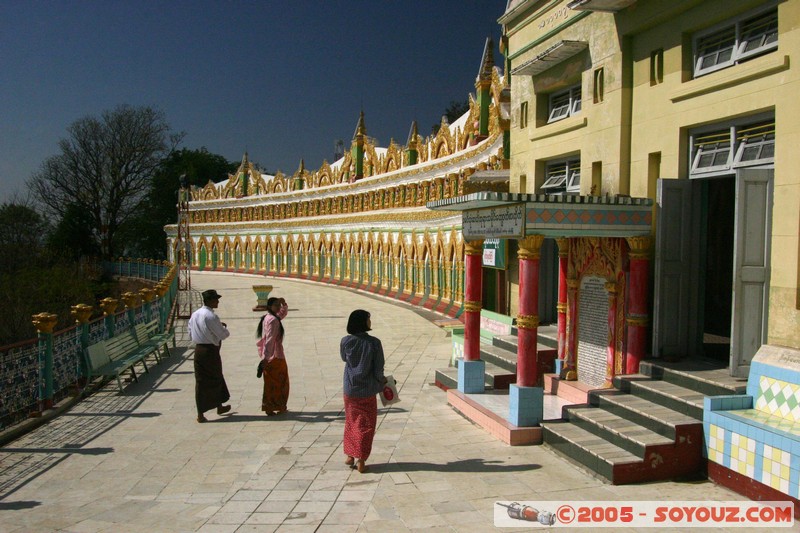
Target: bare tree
[{"x": 105, "y": 167}]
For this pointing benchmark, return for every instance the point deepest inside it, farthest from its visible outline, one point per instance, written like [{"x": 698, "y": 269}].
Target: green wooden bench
[
  {"x": 121, "y": 353},
  {"x": 148, "y": 335}
]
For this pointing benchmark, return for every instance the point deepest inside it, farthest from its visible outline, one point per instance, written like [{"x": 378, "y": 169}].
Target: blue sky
[{"x": 281, "y": 79}]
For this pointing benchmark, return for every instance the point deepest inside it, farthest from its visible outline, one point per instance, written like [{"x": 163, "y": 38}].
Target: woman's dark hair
[
  {"x": 260, "y": 328},
  {"x": 357, "y": 323}
]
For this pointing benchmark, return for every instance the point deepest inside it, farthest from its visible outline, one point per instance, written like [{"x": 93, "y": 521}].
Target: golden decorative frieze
[
  {"x": 109, "y": 305},
  {"x": 530, "y": 247},
  {"x": 563, "y": 246},
  {"x": 44, "y": 322},
  {"x": 472, "y": 306},
  {"x": 81, "y": 313},
  {"x": 638, "y": 320},
  {"x": 527, "y": 321},
  {"x": 473, "y": 247},
  {"x": 639, "y": 247}
]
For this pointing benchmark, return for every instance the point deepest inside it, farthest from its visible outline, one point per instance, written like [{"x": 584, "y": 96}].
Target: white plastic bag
[{"x": 389, "y": 394}]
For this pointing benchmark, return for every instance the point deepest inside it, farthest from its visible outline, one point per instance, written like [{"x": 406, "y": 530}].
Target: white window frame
[
  {"x": 735, "y": 31},
  {"x": 761, "y": 136},
  {"x": 567, "y": 181},
  {"x": 749, "y": 132},
  {"x": 569, "y": 103},
  {"x": 709, "y": 144}
]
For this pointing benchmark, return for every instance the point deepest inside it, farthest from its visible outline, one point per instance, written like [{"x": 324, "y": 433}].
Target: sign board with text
[
  {"x": 495, "y": 253},
  {"x": 494, "y": 222}
]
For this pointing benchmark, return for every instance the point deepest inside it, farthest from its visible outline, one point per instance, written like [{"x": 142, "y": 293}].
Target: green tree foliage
[
  {"x": 32, "y": 278},
  {"x": 73, "y": 236},
  {"x": 145, "y": 235},
  {"x": 51, "y": 288},
  {"x": 104, "y": 169},
  {"x": 22, "y": 234}
]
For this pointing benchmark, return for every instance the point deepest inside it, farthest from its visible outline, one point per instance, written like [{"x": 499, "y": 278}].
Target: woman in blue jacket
[{"x": 363, "y": 379}]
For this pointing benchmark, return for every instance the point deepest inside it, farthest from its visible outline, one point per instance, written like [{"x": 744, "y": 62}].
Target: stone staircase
[
  {"x": 500, "y": 358},
  {"x": 647, "y": 428}
]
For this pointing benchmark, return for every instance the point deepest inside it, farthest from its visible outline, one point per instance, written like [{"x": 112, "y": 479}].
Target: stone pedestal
[
  {"x": 525, "y": 405},
  {"x": 262, "y": 293},
  {"x": 470, "y": 376}
]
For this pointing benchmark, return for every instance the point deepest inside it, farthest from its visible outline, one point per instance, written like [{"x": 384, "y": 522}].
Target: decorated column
[
  {"x": 528, "y": 318},
  {"x": 471, "y": 369},
  {"x": 570, "y": 365},
  {"x": 147, "y": 295},
  {"x": 563, "y": 254},
  {"x": 637, "y": 318},
  {"x": 132, "y": 301},
  {"x": 611, "y": 288},
  {"x": 82, "y": 313},
  {"x": 109, "y": 306},
  {"x": 44, "y": 323},
  {"x": 526, "y": 398}
]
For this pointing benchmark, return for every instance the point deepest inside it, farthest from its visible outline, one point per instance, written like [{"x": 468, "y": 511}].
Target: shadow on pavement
[
  {"x": 466, "y": 465},
  {"x": 304, "y": 416},
  {"x": 16, "y": 506}
]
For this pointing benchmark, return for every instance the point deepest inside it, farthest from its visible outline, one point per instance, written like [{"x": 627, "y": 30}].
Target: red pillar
[
  {"x": 473, "y": 273},
  {"x": 528, "y": 318},
  {"x": 563, "y": 255},
  {"x": 612, "y": 331},
  {"x": 571, "y": 366},
  {"x": 638, "y": 317}
]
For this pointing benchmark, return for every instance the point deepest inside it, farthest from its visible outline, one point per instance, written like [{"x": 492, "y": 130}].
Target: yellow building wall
[
  {"x": 664, "y": 113},
  {"x": 639, "y": 131},
  {"x": 596, "y": 133}
]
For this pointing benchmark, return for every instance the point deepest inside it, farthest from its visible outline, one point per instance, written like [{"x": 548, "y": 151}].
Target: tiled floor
[{"x": 139, "y": 462}]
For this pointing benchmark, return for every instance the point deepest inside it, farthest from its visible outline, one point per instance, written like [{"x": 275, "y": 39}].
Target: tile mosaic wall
[
  {"x": 758, "y": 435},
  {"x": 779, "y": 398}
]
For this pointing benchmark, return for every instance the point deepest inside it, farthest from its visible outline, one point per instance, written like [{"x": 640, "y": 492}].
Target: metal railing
[{"x": 37, "y": 373}]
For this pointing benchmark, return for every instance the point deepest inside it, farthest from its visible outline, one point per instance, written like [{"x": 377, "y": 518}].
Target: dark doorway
[
  {"x": 717, "y": 296},
  {"x": 494, "y": 290}
]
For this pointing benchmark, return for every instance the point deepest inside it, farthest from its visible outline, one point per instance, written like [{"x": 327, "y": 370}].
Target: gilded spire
[
  {"x": 487, "y": 63},
  {"x": 412, "y": 135},
  {"x": 361, "y": 129}
]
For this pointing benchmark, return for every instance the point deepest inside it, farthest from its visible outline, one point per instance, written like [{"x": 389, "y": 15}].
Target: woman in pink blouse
[{"x": 270, "y": 350}]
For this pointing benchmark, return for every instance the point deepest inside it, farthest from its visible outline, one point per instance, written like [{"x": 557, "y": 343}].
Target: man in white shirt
[{"x": 207, "y": 332}]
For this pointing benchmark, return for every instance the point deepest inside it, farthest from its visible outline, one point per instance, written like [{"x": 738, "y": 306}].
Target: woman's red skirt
[
  {"x": 360, "y": 420},
  {"x": 276, "y": 386}
]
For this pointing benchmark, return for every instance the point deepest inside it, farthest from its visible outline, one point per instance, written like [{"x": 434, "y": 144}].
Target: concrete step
[
  {"x": 676, "y": 397},
  {"x": 507, "y": 342},
  {"x": 548, "y": 335},
  {"x": 446, "y": 378},
  {"x": 592, "y": 451},
  {"x": 658, "y": 459},
  {"x": 547, "y": 339},
  {"x": 658, "y": 418},
  {"x": 494, "y": 377},
  {"x": 500, "y": 356},
  {"x": 618, "y": 430},
  {"x": 708, "y": 377}
]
